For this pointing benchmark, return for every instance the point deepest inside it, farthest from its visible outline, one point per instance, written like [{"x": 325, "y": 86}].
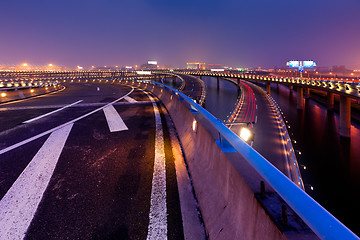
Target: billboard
[
  {"x": 301, "y": 64},
  {"x": 151, "y": 62},
  {"x": 294, "y": 64},
  {"x": 309, "y": 63}
]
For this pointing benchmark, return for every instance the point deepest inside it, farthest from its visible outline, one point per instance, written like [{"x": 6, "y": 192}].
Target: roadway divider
[
  {"x": 229, "y": 207},
  {"x": 295, "y": 174},
  {"x": 14, "y": 94}
]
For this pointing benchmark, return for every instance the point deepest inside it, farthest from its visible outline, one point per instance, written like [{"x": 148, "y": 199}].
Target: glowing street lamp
[{"x": 246, "y": 134}]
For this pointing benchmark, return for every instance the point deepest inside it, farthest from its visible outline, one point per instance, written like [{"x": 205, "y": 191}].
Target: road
[
  {"x": 194, "y": 88},
  {"x": 91, "y": 162},
  {"x": 256, "y": 109}
]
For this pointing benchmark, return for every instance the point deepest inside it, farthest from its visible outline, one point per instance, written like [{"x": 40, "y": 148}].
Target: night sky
[{"x": 238, "y": 33}]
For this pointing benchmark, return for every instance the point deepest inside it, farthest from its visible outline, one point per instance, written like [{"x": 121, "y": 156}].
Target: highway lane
[
  {"x": 194, "y": 87},
  {"x": 256, "y": 109},
  {"x": 96, "y": 184}
]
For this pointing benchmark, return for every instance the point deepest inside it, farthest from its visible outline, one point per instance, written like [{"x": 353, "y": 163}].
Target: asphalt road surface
[
  {"x": 194, "y": 88},
  {"x": 257, "y": 110},
  {"x": 91, "y": 162}
]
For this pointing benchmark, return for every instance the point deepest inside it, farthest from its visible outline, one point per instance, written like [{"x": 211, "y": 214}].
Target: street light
[{"x": 246, "y": 134}]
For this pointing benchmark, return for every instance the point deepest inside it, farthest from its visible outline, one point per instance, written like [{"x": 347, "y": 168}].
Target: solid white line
[
  {"x": 158, "y": 211},
  {"x": 18, "y": 206},
  {"x": 114, "y": 120},
  {"x": 58, "y": 127},
  {"x": 130, "y": 100},
  {"x": 255, "y": 119},
  {"x": 49, "y": 113}
]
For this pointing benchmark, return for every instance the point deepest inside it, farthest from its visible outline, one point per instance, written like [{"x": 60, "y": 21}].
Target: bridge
[
  {"x": 233, "y": 185},
  {"x": 347, "y": 89}
]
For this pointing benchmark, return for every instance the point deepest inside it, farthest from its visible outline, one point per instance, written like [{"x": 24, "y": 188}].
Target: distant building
[
  {"x": 341, "y": 69},
  {"x": 150, "y": 65},
  {"x": 196, "y": 66},
  {"x": 322, "y": 69},
  {"x": 214, "y": 66}
]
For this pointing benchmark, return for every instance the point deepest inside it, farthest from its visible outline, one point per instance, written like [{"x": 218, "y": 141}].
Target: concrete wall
[
  {"x": 228, "y": 205},
  {"x": 26, "y": 93}
]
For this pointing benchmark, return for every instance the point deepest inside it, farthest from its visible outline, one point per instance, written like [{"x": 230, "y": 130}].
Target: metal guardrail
[
  {"x": 348, "y": 87},
  {"x": 288, "y": 145},
  {"x": 323, "y": 223}
]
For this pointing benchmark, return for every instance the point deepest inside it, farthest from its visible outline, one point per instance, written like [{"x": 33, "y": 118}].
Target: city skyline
[{"x": 244, "y": 34}]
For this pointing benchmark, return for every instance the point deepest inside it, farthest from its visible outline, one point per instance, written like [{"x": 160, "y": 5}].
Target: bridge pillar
[
  {"x": 300, "y": 101},
  {"x": 291, "y": 88},
  {"x": 268, "y": 88},
  {"x": 307, "y": 93},
  {"x": 277, "y": 85},
  {"x": 345, "y": 116},
  {"x": 330, "y": 101},
  {"x": 174, "y": 79},
  {"x": 218, "y": 84},
  {"x": 201, "y": 77}
]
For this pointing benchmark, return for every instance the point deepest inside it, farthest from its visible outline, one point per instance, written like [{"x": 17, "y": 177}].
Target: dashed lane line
[
  {"x": 18, "y": 206},
  {"x": 114, "y": 120},
  {"x": 52, "y": 112},
  {"x": 157, "y": 228}
]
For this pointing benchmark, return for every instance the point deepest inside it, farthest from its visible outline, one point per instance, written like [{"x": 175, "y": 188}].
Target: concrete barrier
[
  {"x": 228, "y": 205},
  {"x": 17, "y": 94}
]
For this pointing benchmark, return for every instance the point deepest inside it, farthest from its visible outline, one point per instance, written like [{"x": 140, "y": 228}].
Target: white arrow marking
[
  {"x": 18, "y": 206},
  {"x": 114, "y": 120}
]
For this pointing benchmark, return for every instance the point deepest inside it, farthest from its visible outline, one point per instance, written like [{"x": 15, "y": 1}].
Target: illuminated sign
[
  {"x": 152, "y": 62},
  {"x": 301, "y": 64},
  {"x": 217, "y": 70},
  {"x": 143, "y": 72},
  {"x": 309, "y": 63},
  {"x": 128, "y": 67},
  {"x": 294, "y": 64}
]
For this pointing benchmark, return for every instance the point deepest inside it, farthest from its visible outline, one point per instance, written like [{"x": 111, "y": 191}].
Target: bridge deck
[{"x": 102, "y": 168}]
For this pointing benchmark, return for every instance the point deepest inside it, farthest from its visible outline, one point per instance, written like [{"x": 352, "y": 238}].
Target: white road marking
[
  {"x": 255, "y": 119},
  {"x": 130, "y": 100},
  {"x": 18, "y": 206},
  {"x": 158, "y": 211},
  {"x": 58, "y": 127},
  {"x": 256, "y": 106},
  {"x": 49, "y": 113},
  {"x": 114, "y": 120}
]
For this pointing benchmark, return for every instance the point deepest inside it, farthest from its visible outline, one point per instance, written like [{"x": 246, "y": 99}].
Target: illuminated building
[
  {"x": 151, "y": 64},
  {"x": 196, "y": 66}
]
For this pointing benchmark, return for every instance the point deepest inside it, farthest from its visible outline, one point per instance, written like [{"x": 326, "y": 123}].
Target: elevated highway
[
  {"x": 226, "y": 172},
  {"x": 347, "y": 89}
]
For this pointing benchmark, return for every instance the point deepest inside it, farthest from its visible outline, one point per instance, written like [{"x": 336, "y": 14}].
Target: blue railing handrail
[{"x": 323, "y": 223}]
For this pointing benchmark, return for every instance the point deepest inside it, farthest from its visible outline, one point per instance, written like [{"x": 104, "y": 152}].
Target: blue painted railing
[{"x": 323, "y": 223}]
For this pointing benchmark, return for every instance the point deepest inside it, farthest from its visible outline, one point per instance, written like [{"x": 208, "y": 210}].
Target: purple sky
[{"x": 239, "y": 33}]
